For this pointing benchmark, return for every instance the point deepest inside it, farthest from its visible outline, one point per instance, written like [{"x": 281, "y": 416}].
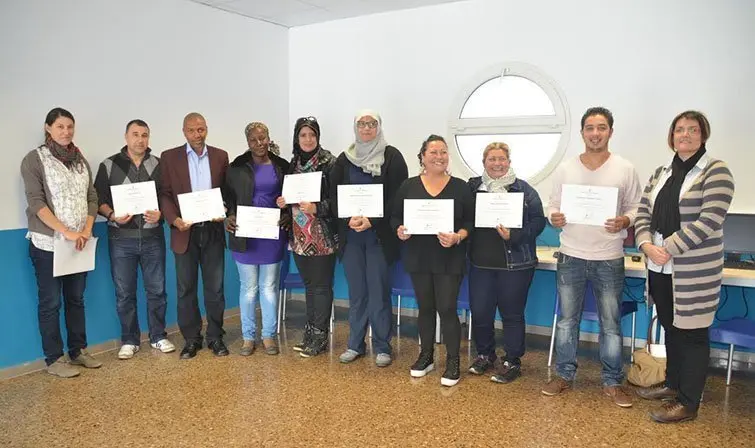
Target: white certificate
[
  {"x": 360, "y": 200},
  {"x": 67, "y": 260},
  {"x": 494, "y": 209},
  {"x": 201, "y": 206},
  {"x": 304, "y": 187},
  {"x": 134, "y": 199},
  {"x": 257, "y": 222},
  {"x": 589, "y": 205},
  {"x": 428, "y": 216}
]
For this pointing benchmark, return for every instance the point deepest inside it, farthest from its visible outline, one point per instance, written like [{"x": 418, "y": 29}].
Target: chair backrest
[
  {"x": 591, "y": 303},
  {"x": 401, "y": 282},
  {"x": 463, "y": 301},
  {"x": 590, "y": 310},
  {"x": 285, "y": 266},
  {"x": 737, "y": 331}
]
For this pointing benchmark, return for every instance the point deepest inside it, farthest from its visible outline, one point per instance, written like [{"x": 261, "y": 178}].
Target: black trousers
[
  {"x": 438, "y": 293},
  {"x": 206, "y": 250},
  {"x": 687, "y": 351},
  {"x": 317, "y": 273}
]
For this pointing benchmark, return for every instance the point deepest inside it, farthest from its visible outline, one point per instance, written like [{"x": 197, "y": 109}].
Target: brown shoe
[
  {"x": 271, "y": 348},
  {"x": 657, "y": 392},
  {"x": 619, "y": 396},
  {"x": 247, "y": 349},
  {"x": 672, "y": 412},
  {"x": 556, "y": 386}
]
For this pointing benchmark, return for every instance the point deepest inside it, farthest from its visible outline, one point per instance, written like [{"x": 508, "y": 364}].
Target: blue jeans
[
  {"x": 49, "y": 287},
  {"x": 368, "y": 277},
  {"x": 607, "y": 278},
  {"x": 506, "y": 291},
  {"x": 126, "y": 256},
  {"x": 262, "y": 279}
]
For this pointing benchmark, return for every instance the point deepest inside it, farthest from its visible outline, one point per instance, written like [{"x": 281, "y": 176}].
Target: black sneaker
[
  {"x": 305, "y": 339},
  {"x": 317, "y": 344},
  {"x": 480, "y": 365},
  {"x": 423, "y": 366},
  {"x": 452, "y": 374},
  {"x": 507, "y": 373}
]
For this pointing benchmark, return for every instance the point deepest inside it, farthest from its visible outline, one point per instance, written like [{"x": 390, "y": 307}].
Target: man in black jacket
[{"x": 135, "y": 240}]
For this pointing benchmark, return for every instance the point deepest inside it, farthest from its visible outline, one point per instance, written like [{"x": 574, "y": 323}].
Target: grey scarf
[
  {"x": 369, "y": 156},
  {"x": 499, "y": 185}
]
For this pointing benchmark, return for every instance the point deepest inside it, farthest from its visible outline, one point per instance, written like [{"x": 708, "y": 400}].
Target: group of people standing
[{"x": 678, "y": 223}]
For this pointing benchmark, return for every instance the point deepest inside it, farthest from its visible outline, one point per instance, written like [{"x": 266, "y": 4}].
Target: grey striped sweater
[{"x": 697, "y": 249}]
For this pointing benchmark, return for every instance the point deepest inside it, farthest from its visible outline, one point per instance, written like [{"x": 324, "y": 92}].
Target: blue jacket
[{"x": 488, "y": 250}]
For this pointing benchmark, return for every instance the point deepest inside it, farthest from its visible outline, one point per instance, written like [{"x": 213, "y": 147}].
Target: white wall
[
  {"x": 645, "y": 60},
  {"x": 108, "y": 62}
]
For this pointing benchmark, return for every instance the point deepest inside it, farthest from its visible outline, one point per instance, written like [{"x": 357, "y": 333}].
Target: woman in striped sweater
[{"x": 679, "y": 229}]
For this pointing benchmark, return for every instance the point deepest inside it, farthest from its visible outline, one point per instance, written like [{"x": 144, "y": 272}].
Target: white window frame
[{"x": 558, "y": 123}]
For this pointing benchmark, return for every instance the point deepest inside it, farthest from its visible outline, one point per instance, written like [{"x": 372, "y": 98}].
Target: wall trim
[{"x": 743, "y": 361}]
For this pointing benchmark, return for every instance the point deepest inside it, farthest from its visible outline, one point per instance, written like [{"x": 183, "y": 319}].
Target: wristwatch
[{"x": 110, "y": 215}]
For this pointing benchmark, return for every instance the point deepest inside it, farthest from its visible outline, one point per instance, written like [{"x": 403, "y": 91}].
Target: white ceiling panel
[{"x": 290, "y": 13}]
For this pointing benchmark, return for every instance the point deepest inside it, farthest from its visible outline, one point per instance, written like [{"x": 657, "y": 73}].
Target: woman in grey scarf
[{"x": 368, "y": 240}]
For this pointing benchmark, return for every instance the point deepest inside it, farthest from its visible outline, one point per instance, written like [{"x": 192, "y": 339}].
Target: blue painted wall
[
  {"x": 18, "y": 300},
  {"x": 19, "y": 329}
]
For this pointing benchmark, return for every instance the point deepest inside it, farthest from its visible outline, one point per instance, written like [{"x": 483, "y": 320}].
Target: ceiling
[{"x": 290, "y": 13}]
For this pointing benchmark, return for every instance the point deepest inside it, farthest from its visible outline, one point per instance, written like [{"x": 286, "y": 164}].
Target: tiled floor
[{"x": 157, "y": 400}]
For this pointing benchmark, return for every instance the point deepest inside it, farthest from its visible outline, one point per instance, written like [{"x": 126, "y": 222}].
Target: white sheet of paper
[
  {"x": 67, "y": 260},
  {"x": 360, "y": 200},
  {"x": 428, "y": 216},
  {"x": 493, "y": 209},
  {"x": 257, "y": 222},
  {"x": 201, "y": 206},
  {"x": 588, "y": 204},
  {"x": 304, "y": 187},
  {"x": 134, "y": 199}
]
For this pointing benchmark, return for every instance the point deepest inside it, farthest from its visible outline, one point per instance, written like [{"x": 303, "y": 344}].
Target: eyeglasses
[
  {"x": 367, "y": 124},
  {"x": 693, "y": 130},
  {"x": 306, "y": 120}
]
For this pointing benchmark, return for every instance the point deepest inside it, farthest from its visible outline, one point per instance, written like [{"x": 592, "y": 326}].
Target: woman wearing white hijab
[{"x": 368, "y": 241}]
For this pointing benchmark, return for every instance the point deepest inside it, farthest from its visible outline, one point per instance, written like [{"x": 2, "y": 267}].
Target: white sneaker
[
  {"x": 127, "y": 351},
  {"x": 164, "y": 346}
]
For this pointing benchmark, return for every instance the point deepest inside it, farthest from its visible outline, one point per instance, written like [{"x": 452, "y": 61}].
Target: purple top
[{"x": 266, "y": 191}]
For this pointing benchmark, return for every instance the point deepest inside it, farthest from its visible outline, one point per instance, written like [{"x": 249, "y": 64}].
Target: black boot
[
  {"x": 317, "y": 344},
  {"x": 423, "y": 365},
  {"x": 306, "y": 339},
  {"x": 452, "y": 374}
]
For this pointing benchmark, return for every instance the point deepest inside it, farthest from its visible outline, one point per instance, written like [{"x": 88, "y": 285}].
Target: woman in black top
[
  {"x": 368, "y": 246},
  {"x": 503, "y": 265},
  {"x": 436, "y": 263}
]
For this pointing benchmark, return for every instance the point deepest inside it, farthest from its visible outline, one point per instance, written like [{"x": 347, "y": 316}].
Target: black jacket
[
  {"x": 392, "y": 174},
  {"x": 239, "y": 190}
]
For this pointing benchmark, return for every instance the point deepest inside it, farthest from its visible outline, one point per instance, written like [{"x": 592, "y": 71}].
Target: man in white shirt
[{"x": 595, "y": 254}]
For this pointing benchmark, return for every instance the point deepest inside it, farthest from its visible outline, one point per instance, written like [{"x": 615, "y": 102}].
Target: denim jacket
[{"x": 488, "y": 250}]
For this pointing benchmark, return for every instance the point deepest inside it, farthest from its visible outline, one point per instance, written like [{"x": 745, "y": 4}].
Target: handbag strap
[{"x": 650, "y": 330}]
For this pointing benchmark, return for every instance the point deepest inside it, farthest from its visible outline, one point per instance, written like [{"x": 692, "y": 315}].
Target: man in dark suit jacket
[{"x": 185, "y": 169}]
